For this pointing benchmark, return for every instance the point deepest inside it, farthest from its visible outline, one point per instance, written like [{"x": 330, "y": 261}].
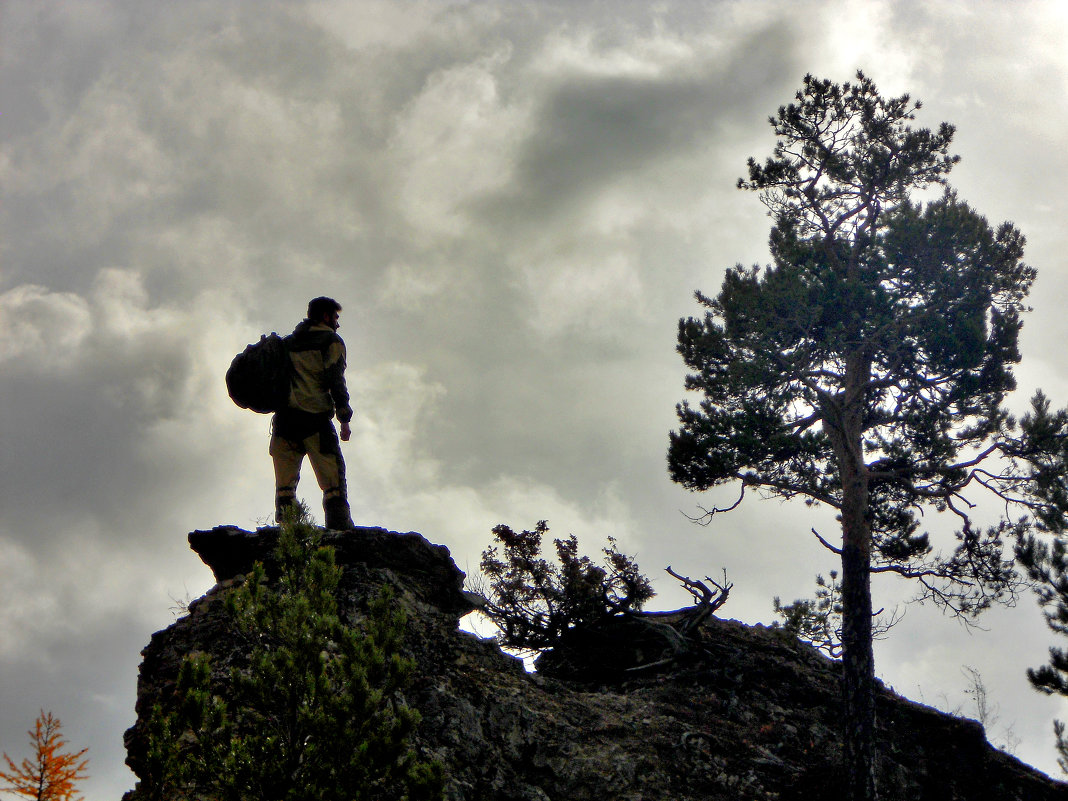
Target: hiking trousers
[{"x": 293, "y": 438}]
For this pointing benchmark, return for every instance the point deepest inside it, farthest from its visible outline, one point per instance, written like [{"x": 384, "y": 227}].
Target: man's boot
[{"x": 338, "y": 516}]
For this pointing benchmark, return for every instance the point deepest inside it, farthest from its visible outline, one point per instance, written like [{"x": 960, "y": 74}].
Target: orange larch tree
[{"x": 50, "y": 775}]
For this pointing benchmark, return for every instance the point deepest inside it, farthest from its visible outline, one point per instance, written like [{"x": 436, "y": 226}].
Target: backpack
[{"x": 259, "y": 376}]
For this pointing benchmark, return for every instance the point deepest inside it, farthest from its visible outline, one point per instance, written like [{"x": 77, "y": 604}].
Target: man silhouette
[{"x": 305, "y": 427}]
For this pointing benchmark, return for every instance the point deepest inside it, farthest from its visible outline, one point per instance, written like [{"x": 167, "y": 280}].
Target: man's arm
[{"x": 335, "y": 384}]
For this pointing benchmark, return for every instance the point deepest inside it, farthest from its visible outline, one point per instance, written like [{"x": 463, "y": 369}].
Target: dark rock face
[{"x": 748, "y": 714}]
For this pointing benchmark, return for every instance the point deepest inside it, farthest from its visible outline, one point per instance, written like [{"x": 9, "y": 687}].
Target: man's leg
[
  {"x": 286, "y": 457},
  {"x": 324, "y": 453}
]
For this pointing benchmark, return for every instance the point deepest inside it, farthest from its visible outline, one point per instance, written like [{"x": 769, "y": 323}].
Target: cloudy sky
[{"x": 514, "y": 201}]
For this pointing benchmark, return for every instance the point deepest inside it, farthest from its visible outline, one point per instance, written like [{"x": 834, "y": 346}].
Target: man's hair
[{"x": 317, "y": 307}]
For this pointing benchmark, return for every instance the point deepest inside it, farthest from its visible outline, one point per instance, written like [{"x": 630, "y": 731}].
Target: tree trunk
[
  {"x": 858, "y": 658},
  {"x": 858, "y": 663}
]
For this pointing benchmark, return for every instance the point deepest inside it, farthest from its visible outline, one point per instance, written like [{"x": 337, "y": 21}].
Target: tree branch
[{"x": 826, "y": 544}]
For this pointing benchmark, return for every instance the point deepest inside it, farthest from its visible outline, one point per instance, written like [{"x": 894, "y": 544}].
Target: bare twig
[
  {"x": 707, "y": 514},
  {"x": 826, "y": 544}
]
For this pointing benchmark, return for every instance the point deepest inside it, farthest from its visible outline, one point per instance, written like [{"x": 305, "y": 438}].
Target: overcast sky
[{"x": 514, "y": 202}]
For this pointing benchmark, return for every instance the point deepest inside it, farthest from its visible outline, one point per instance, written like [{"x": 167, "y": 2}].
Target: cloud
[
  {"x": 392, "y": 404},
  {"x": 456, "y": 142},
  {"x": 24, "y": 609},
  {"x": 134, "y": 354},
  {"x": 591, "y": 297},
  {"x": 43, "y": 327}
]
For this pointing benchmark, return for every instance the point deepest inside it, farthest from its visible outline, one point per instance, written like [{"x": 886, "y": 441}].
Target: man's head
[{"x": 324, "y": 310}]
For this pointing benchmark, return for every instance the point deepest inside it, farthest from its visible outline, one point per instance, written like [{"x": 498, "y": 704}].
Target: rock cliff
[{"x": 750, "y": 715}]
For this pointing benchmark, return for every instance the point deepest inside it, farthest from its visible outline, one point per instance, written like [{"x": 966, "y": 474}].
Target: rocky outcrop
[{"x": 747, "y": 713}]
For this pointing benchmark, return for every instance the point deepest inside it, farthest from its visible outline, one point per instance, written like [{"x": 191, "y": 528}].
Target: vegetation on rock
[
  {"x": 534, "y": 602},
  {"x": 316, "y": 711}
]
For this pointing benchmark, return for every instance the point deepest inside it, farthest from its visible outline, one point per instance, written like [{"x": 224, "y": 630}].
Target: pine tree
[
  {"x": 52, "y": 772},
  {"x": 865, "y": 370},
  {"x": 1047, "y": 566},
  {"x": 314, "y": 714}
]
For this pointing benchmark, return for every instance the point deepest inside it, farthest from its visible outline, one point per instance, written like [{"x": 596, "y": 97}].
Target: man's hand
[{"x": 346, "y": 432}]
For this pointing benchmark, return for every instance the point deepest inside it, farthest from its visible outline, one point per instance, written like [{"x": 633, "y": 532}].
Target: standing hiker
[{"x": 305, "y": 426}]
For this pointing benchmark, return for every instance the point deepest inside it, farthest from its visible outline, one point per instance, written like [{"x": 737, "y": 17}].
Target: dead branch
[
  {"x": 707, "y": 514},
  {"x": 707, "y": 600}
]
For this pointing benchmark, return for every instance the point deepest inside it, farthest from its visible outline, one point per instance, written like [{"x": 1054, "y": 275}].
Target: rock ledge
[{"x": 752, "y": 715}]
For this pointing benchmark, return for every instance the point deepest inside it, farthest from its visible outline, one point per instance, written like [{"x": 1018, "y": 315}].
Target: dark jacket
[{"x": 318, "y": 356}]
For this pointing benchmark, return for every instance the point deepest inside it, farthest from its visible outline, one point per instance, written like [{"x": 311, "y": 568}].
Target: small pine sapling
[{"x": 818, "y": 620}]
